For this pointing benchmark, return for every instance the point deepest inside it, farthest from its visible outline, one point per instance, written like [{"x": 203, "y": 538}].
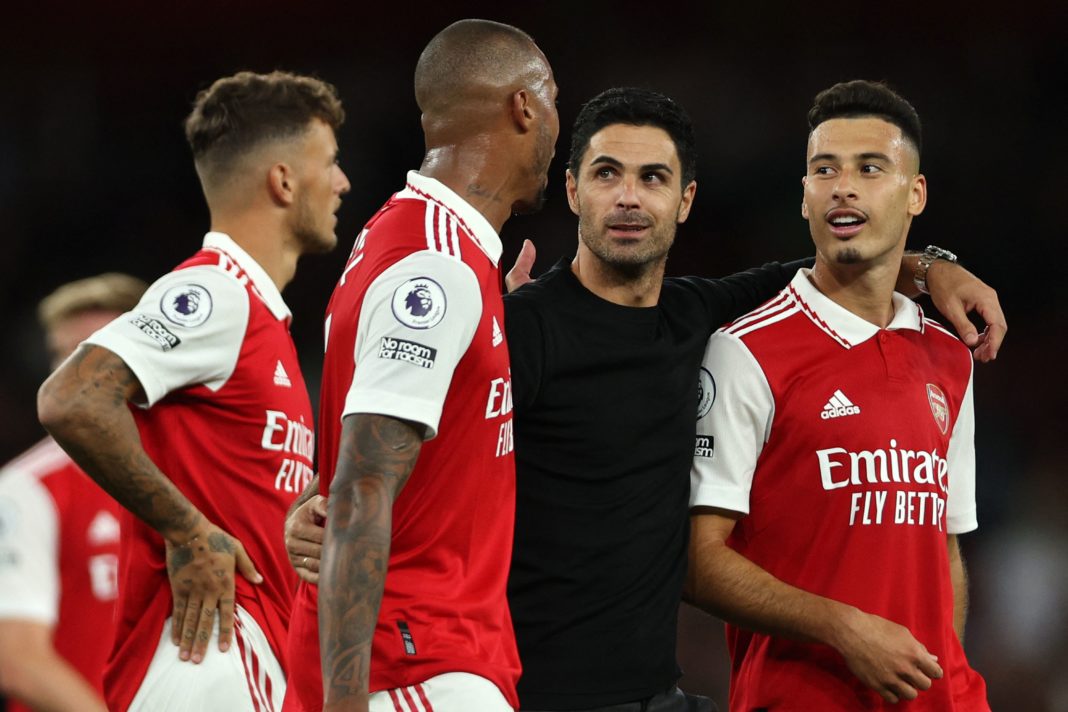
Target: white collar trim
[
  {"x": 420, "y": 186},
  {"x": 262, "y": 284},
  {"x": 843, "y": 325}
]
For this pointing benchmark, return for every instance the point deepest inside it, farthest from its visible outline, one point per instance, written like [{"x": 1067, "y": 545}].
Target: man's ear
[
  {"x": 917, "y": 195},
  {"x": 571, "y": 187},
  {"x": 521, "y": 110},
  {"x": 281, "y": 183},
  {"x": 686, "y": 203}
]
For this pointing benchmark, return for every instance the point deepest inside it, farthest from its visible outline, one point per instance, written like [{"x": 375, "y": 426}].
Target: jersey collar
[
  {"x": 846, "y": 327},
  {"x": 477, "y": 226},
  {"x": 262, "y": 284}
]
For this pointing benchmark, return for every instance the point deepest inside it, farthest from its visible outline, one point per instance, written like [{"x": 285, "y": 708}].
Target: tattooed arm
[
  {"x": 377, "y": 453},
  {"x": 83, "y": 406}
]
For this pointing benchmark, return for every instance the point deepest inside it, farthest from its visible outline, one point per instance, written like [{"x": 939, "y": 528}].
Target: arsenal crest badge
[{"x": 939, "y": 407}]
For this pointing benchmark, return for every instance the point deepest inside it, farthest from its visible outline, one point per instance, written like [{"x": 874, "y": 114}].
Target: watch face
[{"x": 933, "y": 253}]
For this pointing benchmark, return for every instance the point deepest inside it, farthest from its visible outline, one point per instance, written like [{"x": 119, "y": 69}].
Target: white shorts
[
  {"x": 246, "y": 678},
  {"x": 449, "y": 692}
]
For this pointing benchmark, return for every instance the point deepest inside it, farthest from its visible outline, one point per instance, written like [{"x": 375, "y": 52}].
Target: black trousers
[{"x": 674, "y": 700}]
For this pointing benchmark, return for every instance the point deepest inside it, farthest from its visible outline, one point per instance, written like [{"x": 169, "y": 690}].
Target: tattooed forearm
[
  {"x": 83, "y": 406},
  {"x": 376, "y": 457}
]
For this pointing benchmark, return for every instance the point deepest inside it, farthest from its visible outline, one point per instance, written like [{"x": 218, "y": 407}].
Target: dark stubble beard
[
  {"x": 628, "y": 264},
  {"x": 312, "y": 241},
  {"x": 543, "y": 156}
]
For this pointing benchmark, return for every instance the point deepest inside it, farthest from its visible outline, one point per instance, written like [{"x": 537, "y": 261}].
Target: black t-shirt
[{"x": 605, "y": 421}]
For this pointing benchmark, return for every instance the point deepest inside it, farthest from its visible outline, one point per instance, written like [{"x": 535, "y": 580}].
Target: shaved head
[
  {"x": 473, "y": 60},
  {"x": 488, "y": 100}
]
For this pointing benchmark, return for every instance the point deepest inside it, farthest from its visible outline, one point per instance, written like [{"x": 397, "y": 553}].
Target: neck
[
  {"x": 639, "y": 287},
  {"x": 865, "y": 289},
  {"x": 273, "y": 247},
  {"x": 469, "y": 170}
]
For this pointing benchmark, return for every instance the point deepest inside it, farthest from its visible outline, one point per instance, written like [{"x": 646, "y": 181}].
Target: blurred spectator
[{"x": 59, "y": 538}]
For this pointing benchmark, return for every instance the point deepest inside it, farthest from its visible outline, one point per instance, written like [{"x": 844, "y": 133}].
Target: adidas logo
[
  {"x": 839, "y": 406},
  {"x": 498, "y": 336},
  {"x": 281, "y": 378}
]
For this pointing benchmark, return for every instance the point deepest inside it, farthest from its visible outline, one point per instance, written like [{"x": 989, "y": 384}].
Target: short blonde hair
[{"x": 111, "y": 291}]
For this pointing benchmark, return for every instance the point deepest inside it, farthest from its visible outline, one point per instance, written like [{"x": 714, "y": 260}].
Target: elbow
[
  {"x": 52, "y": 410},
  {"x": 62, "y": 405}
]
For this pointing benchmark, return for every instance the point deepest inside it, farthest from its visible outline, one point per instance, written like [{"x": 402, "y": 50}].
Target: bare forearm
[
  {"x": 905, "y": 282},
  {"x": 377, "y": 455},
  {"x": 34, "y": 674},
  {"x": 83, "y": 406},
  {"x": 729, "y": 586},
  {"x": 351, "y": 580},
  {"x": 52, "y": 686},
  {"x": 958, "y": 575}
]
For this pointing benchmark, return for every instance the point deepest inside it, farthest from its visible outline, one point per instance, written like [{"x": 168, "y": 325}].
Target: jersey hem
[
  {"x": 32, "y": 614},
  {"x": 721, "y": 498},
  {"x": 395, "y": 405}
]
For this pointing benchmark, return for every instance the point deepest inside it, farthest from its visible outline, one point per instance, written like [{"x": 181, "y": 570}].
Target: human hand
[
  {"x": 201, "y": 572},
  {"x": 955, "y": 292},
  {"x": 885, "y": 656},
  {"x": 520, "y": 272},
  {"x": 305, "y": 526}
]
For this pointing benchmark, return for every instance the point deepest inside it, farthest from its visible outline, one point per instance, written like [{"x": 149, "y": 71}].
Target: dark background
[{"x": 95, "y": 176}]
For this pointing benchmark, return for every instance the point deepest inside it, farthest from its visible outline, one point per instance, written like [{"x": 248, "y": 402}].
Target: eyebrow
[
  {"x": 870, "y": 155},
  {"x": 644, "y": 169}
]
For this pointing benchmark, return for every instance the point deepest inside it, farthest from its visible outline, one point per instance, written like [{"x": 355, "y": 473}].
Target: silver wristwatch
[{"x": 927, "y": 257}]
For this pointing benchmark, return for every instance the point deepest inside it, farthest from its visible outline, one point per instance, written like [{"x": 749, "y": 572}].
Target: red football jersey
[
  {"x": 229, "y": 421},
  {"x": 414, "y": 331},
  {"x": 850, "y": 450},
  {"x": 59, "y": 553}
]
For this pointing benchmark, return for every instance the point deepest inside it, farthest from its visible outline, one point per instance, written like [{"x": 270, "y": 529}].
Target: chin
[
  {"x": 319, "y": 244},
  {"x": 529, "y": 206},
  {"x": 848, "y": 256}
]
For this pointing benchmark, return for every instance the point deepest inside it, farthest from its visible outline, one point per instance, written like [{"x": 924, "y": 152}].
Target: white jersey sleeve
[
  {"x": 29, "y": 536},
  {"x": 406, "y": 354},
  {"x": 734, "y": 422},
  {"x": 960, "y": 500},
  {"x": 187, "y": 330}
]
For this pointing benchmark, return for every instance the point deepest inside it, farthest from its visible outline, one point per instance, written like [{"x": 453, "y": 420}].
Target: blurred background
[{"x": 95, "y": 176}]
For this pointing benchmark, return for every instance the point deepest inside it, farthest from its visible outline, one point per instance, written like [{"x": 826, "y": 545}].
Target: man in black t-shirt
[
  {"x": 605, "y": 361},
  {"x": 606, "y": 356}
]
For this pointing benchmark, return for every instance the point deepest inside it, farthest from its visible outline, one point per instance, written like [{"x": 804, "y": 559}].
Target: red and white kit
[
  {"x": 59, "y": 556},
  {"x": 414, "y": 330},
  {"x": 228, "y": 420},
  {"x": 850, "y": 450}
]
